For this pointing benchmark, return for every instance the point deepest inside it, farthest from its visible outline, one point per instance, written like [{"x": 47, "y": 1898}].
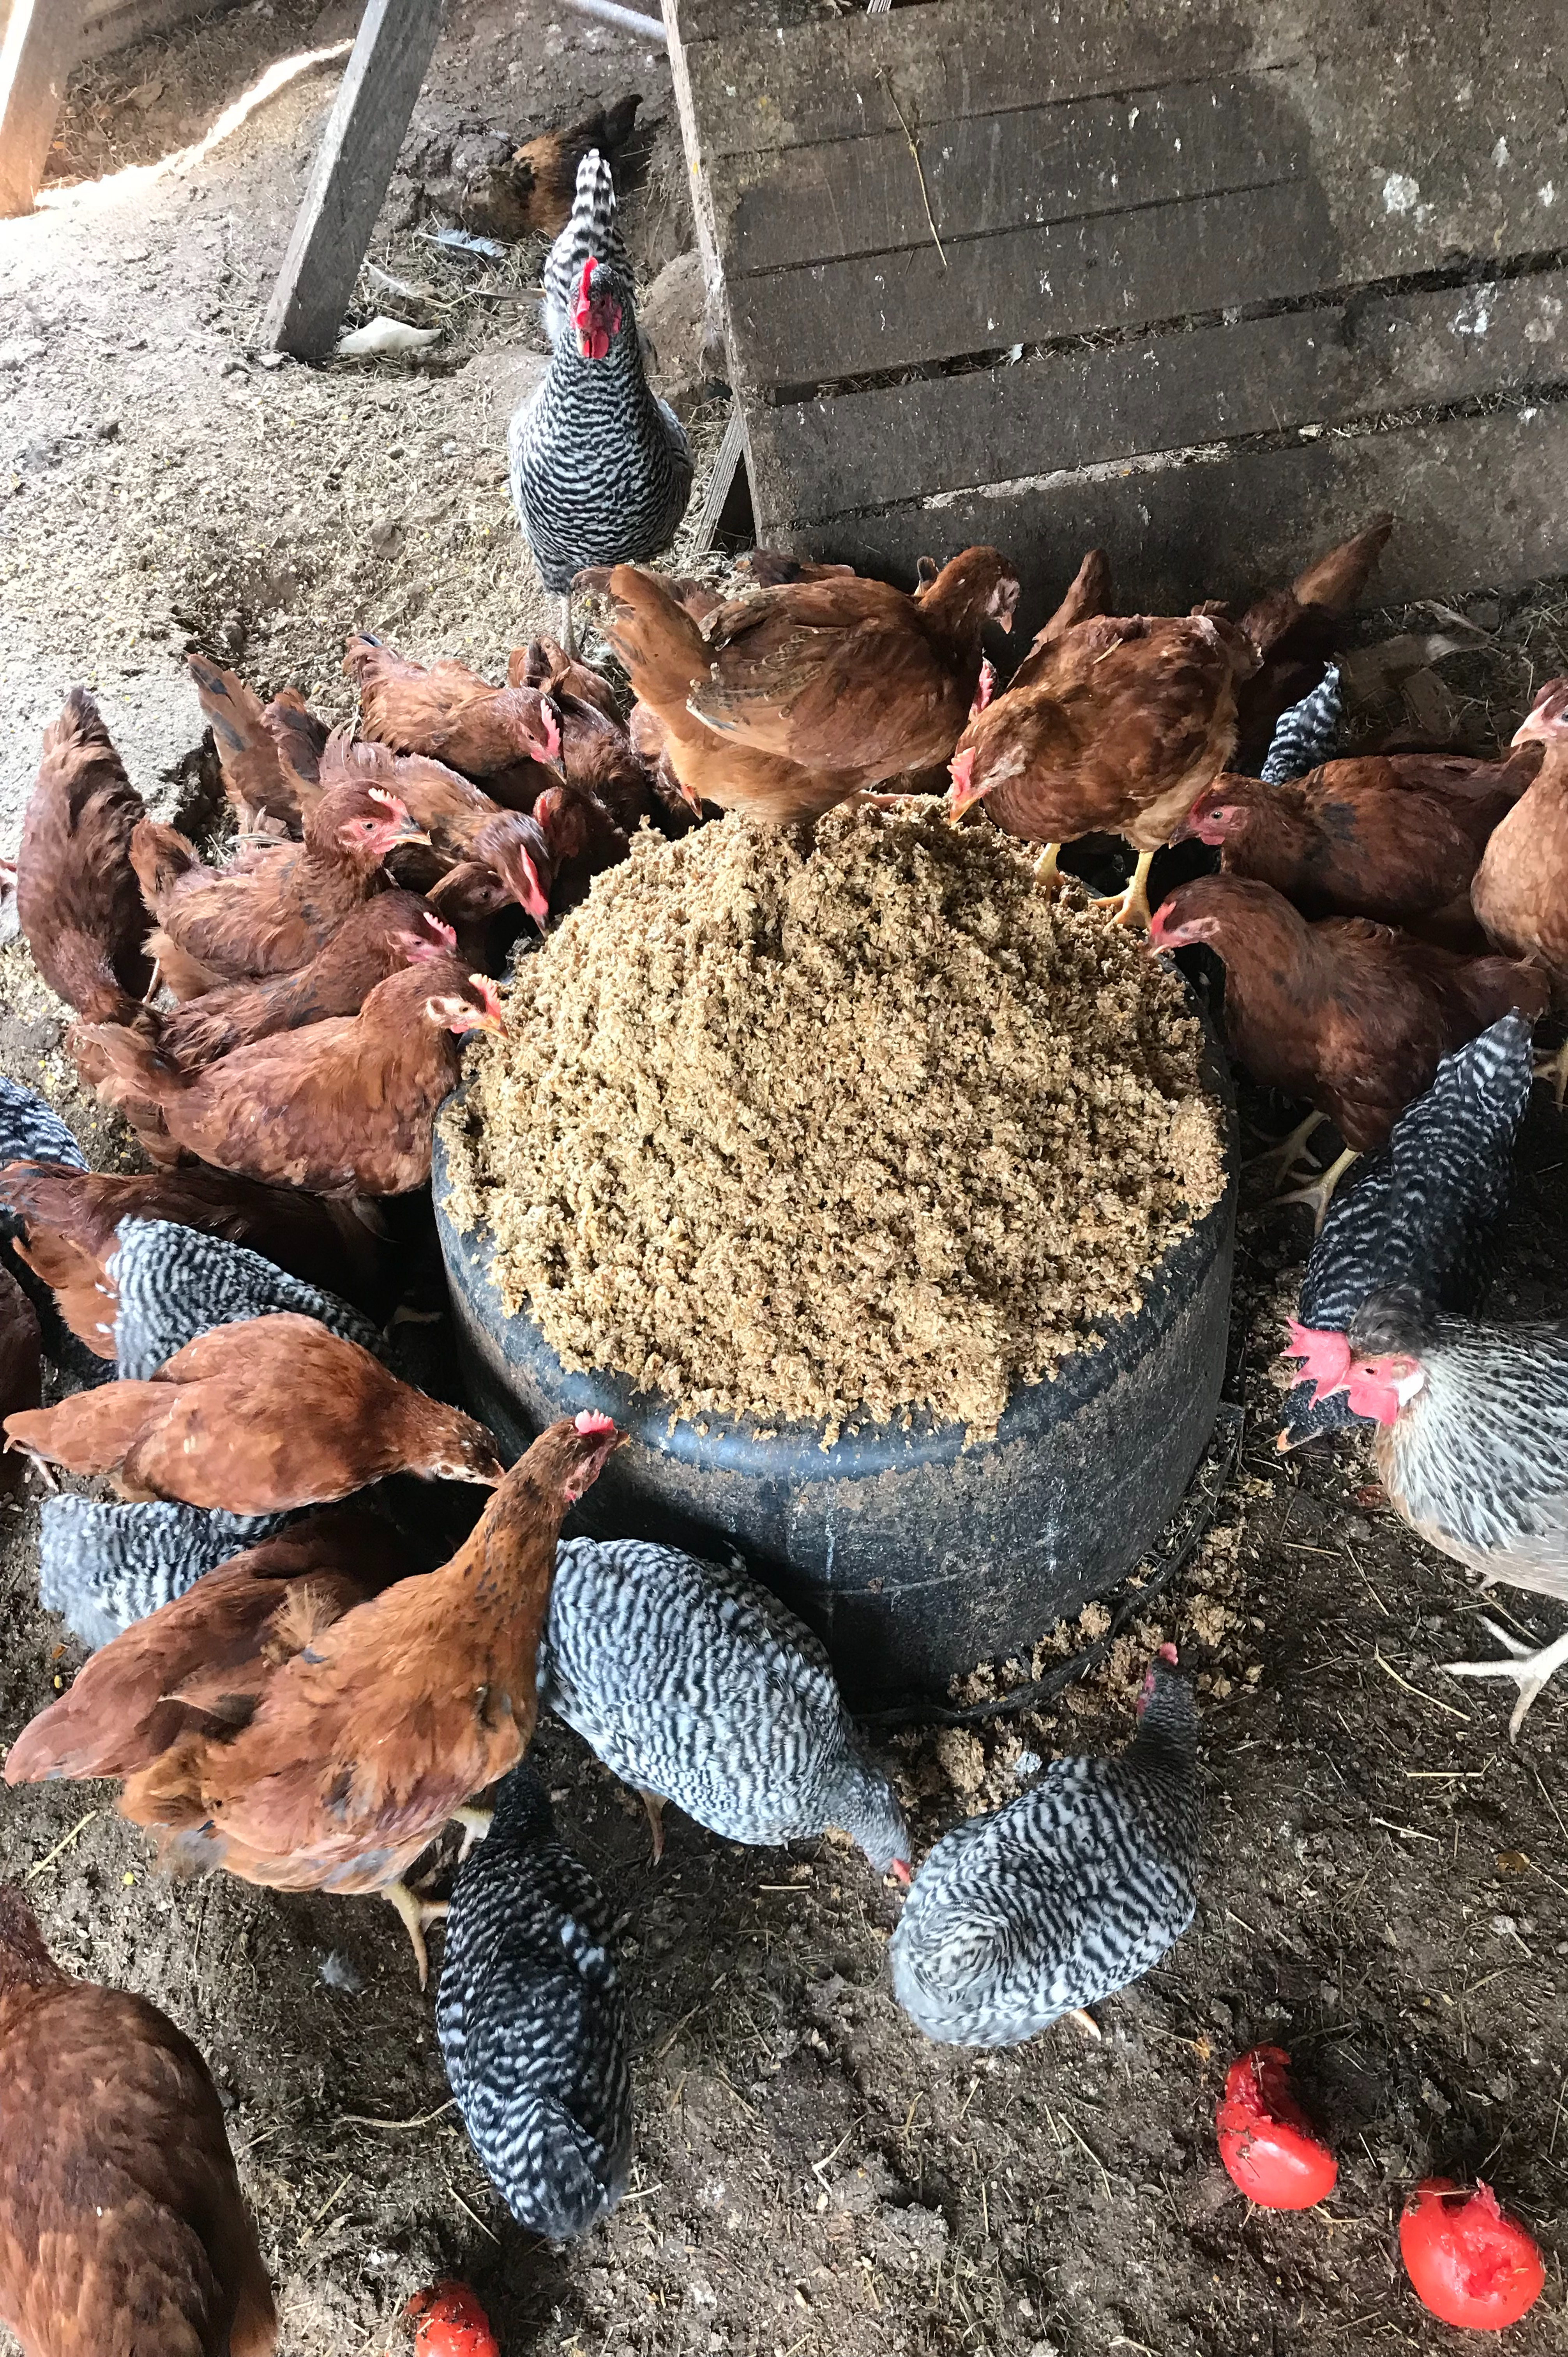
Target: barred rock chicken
[
  {"x": 102, "y": 1566},
  {"x": 123, "y": 2229},
  {"x": 1423, "y": 1211},
  {"x": 31, "y": 1130},
  {"x": 795, "y": 697},
  {"x": 601, "y": 469},
  {"x": 269, "y": 754},
  {"x": 1472, "y": 1447},
  {"x": 173, "y": 1284},
  {"x": 532, "y": 2022},
  {"x": 507, "y": 738},
  {"x": 1064, "y": 1896},
  {"x": 1397, "y": 837},
  {"x": 66, "y": 1217},
  {"x": 697, "y": 1686},
  {"x": 346, "y": 1105},
  {"x": 1305, "y": 732},
  {"x": 357, "y": 1748},
  {"x": 1114, "y": 724},
  {"x": 21, "y": 1366},
  {"x": 77, "y": 900},
  {"x": 274, "y": 910},
  {"x": 1520, "y": 886},
  {"x": 1347, "y": 1014},
  {"x": 381, "y": 937},
  {"x": 256, "y": 1417}
]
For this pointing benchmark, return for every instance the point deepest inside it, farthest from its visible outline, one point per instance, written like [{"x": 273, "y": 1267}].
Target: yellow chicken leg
[
  {"x": 1282, "y": 1159},
  {"x": 654, "y": 1803},
  {"x": 1132, "y": 906},
  {"x": 476, "y": 1824},
  {"x": 417, "y": 1914},
  {"x": 1321, "y": 1190},
  {"x": 1556, "y": 1070},
  {"x": 1046, "y": 871},
  {"x": 1081, "y": 2019}
]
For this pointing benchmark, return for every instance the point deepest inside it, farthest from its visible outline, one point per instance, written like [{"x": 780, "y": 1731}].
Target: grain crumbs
[{"x": 833, "y": 1128}]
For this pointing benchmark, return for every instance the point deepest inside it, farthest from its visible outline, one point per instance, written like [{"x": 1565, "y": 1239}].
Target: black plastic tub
[{"x": 913, "y": 1558}]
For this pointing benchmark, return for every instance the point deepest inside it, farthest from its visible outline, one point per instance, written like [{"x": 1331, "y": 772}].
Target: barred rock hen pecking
[
  {"x": 532, "y": 2023},
  {"x": 1067, "y": 1894},
  {"x": 123, "y": 2229},
  {"x": 697, "y": 1686},
  {"x": 1423, "y": 1211},
  {"x": 601, "y": 469}
]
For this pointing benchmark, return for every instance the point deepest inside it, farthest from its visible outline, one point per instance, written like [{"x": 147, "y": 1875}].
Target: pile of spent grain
[{"x": 836, "y": 1128}]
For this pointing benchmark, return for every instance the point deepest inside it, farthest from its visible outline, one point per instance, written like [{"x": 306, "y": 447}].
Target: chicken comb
[
  {"x": 444, "y": 932},
  {"x": 580, "y": 309},
  {"x": 1166, "y": 1653},
  {"x": 1326, "y": 1358},
  {"x": 589, "y": 1421},
  {"x": 380, "y": 795},
  {"x": 490, "y": 998}
]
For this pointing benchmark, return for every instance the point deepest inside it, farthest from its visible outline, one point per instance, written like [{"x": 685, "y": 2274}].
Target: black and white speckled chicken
[
  {"x": 1305, "y": 732},
  {"x": 31, "y": 1130},
  {"x": 532, "y": 2021},
  {"x": 174, "y": 1283},
  {"x": 1472, "y": 1447},
  {"x": 102, "y": 1564},
  {"x": 1064, "y": 1896},
  {"x": 1423, "y": 1211},
  {"x": 601, "y": 469},
  {"x": 697, "y": 1686}
]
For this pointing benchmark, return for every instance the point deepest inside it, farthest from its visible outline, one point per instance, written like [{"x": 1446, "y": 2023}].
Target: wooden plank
[
  {"x": 730, "y": 458},
  {"x": 36, "y": 57},
  {"x": 1061, "y": 410},
  {"x": 1005, "y": 171},
  {"x": 1478, "y": 502},
  {"x": 349, "y": 180},
  {"x": 1061, "y": 278}
]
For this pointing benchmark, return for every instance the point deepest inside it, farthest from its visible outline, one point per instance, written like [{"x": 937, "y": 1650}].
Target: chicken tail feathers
[
  {"x": 655, "y": 636},
  {"x": 1329, "y": 587},
  {"x": 91, "y": 1432}
]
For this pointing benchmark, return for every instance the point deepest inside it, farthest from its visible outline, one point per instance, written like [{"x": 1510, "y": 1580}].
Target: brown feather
[{"x": 77, "y": 900}]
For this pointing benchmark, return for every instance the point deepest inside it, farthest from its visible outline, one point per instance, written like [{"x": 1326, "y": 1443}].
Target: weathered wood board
[
  {"x": 36, "y": 49},
  {"x": 997, "y": 272}
]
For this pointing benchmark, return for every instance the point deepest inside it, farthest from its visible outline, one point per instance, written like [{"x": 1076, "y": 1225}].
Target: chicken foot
[
  {"x": 417, "y": 1914},
  {"x": 1529, "y": 1666},
  {"x": 1046, "y": 869},
  {"x": 1081, "y": 2019},
  {"x": 654, "y": 1803},
  {"x": 476, "y": 1824},
  {"x": 1556, "y": 1070},
  {"x": 1321, "y": 1190},
  {"x": 1132, "y": 906},
  {"x": 1282, "y": 1159}
]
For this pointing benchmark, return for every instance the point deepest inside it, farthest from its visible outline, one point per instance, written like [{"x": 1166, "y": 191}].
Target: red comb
[
  {"x": 588, "y": 1422},
  {"x": 442, "y": 931},
  {"x": 1167, "y": 1653},
  {"x": 1326, "y": 1358},
  {"x": 489, "y": 999},
  {"x": 583, "y": 285}
]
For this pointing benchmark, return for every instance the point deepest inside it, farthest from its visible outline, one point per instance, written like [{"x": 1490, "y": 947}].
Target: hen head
[
  {"x": 515, "y": 847},
  {"x": 1387, "y": 1335},
  {"x": 1214, "y": 817},
  {"x": 964, "y": 793},
  {"x": 1546, "y": 722},
  {"x": 1173, "y": 929},
  {"x": 363, "y": 822},
  {"x": 434, "y": 940},
  {"x": 569, "y": 1456},
  {"x": 476, "y": 1007},
  {"x": 596, "y": 312}
]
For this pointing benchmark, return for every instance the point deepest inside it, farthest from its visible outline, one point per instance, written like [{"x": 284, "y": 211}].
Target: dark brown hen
[{"x": 77, "y": 899}]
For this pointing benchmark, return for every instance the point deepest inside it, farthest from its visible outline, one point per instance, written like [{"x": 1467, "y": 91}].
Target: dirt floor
[{"x": 1385, "y": 1888}]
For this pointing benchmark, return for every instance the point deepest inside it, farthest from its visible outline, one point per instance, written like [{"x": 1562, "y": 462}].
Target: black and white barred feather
[
  {"x": 1063, "y": 1897},
  {"x": 1424, "y": 1210},
  {"x": 1306, "y": 732},
  {"x": 31, "y": 1130},
  {"x": 695, "y": 1683},
  {"x": 176, "y": 1283},
  {"x": 600, "y": 467},
  {"x": 532, "y": 2021},
  {"x": 104, "y": 1566}
]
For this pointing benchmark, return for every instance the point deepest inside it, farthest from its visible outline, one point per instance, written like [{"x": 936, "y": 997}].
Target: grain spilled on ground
[{"x": 819, "y": 1130}]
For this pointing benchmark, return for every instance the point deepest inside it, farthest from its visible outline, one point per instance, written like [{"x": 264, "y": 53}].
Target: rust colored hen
[
  {"x": 362, "y": 1745},
  {"x": 256, "y": 1419},
  {"x": 1520, "y": 891},
  {"x": 272, "y": 910},
  {"x": 1346, "y": 1013},
  {"x": 344, "y": 1106},
  {"x": 1397, "y": 836},
  {"x": 448, "y": 807},
  {"x": 123, "y": 2229},
  {"x": 268, "y": 754},
  {"x": 69, "y": 1218},
  {"x": 77, "y": 900},
  {"x": 21, "y": 1366},
  {"x": 583, "y": 840},
  {"x": 547, "y": 666},
  {"x": 506, "y": 737}
]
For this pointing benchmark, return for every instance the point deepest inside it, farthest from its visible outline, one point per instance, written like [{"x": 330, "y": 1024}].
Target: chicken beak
[
  {"x": 408, "y": 831},
  {"x": 690, "y": 796}
]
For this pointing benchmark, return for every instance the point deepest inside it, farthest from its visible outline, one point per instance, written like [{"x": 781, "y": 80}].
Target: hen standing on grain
[
  {"x": 345, "y": 1105},
  {"x": 697, "y": 1686},
  {"x": 1395, "y": 836},
  {"x": 1421, "y": 1212},
  {"x": 1520, "y": 891},
  {"x": 1346, "y": 1014},
  {"x": 256, "y": 1417},
  {"x": 77, "y": 899},
  {"x": 386, "y": 1719},
  {"x": 530, "y": 2021},
  {"x": 507, "y": 735},
  {"x": 1066, "y": 1895},
  {"x": 274, "y": 910},
  {"x": 798, "y": 696},
  {"x": 123, "y": 2229},
  {"x": 601, "y": 469}
]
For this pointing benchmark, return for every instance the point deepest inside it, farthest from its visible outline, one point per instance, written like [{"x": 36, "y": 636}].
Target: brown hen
[
  {"x": 365, "y": 1742},
  {"x": 583, "y": 839},
  {"x": 1520, "y": 891},
  {"x": 77, "y": 900},
  {"x": 21, "y": 1366},
  {"x": 1346, "y": 1013},
  {"x": 543, "y": 665},
  {"x": 793, "y": 697},
  {"x": 272, "y": 910},
  {"x": 268, "y": 755},
  {"x": 257, "y": 1417},
  {"x": 507, "y": 738},
  {"x": 345, "y": 1105},
  {"x": 123, "y": 2229}
]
